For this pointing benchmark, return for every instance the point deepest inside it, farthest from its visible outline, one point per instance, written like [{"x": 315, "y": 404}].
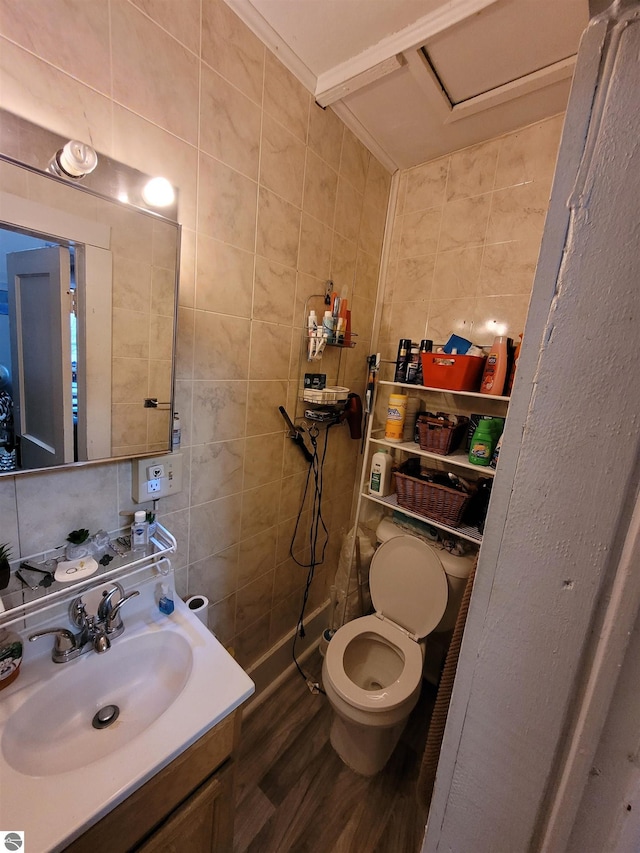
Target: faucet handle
[
  {"x": 109, "y": 614},
  {"x": 65, "y": 644},
  {"x": 114, "y": 614},
  {"x": 105, "y": 607}
]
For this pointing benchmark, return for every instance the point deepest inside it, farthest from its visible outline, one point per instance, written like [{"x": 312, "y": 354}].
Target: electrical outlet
[{"x": 168, "y": 468}]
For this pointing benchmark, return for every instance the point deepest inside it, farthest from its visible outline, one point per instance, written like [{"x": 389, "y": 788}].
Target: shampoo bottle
[
  {"x": 495, "y": 370},
  {"x": 380, "y": 479}
]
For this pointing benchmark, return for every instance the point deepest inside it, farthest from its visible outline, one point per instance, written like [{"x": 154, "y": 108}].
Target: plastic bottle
[
  {"x": 413, "y": 365},
  {"x": 312, "y": 323},
  {"x": 495, "y": 370},
  {"x": 408, "y": 431},
  {"x": 402, "y": 360},
  {"x": 327, "y": 327},
  {"x": 139, "y": 531},
  {"x": 426, "y": 346},
  {"x": 396, "y": 413},
  {"x": 482, "y": 443},
  {"x": 380, "y": 478},
  {"x": 312, "y": 329},
  {"x": 176, "y": 432},
  {"x": 165, "y": 604}
]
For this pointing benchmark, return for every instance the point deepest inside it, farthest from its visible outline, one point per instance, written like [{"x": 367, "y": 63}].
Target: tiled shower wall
[
  {"x": 465, "y": 240},
  {"x": 276, "y": 196}
]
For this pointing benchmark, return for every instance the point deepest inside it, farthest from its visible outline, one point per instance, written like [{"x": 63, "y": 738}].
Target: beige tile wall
[
  {"x": 465, "y": 240},
  {"x": 276, "y": 196}
]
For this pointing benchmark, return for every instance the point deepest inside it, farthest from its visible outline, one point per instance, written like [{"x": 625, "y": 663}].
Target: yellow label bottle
[{"x": 396, "y": 413}]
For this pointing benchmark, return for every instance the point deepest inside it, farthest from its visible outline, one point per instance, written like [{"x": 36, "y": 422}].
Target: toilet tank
[{"x": 456, "y": 569}]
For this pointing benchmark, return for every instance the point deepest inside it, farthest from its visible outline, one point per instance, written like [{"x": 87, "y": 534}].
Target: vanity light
[
  {"x": 158, "y": 192},
  {"x": 75, "y": 160}
]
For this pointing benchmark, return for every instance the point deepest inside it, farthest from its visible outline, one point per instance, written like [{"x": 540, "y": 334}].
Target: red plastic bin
[{"x": 452, "y": 372}]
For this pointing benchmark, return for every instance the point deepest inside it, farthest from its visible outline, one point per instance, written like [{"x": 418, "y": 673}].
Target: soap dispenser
[{"x": 165, "y": 604}]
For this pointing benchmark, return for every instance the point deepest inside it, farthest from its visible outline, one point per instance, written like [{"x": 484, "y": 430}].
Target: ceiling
[{"x": 415, "y": 79}]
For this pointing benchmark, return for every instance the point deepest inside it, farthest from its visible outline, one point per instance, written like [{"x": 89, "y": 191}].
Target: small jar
[{"x": 10, "y": 656}]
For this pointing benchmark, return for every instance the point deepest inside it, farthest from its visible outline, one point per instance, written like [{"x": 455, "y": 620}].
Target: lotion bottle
[
  {"x": 495, "y": 370},
  {"x": 380, "y": 478}
]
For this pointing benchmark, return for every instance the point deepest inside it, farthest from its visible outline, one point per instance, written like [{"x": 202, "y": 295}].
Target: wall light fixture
[{"x": 74, "y": 160}]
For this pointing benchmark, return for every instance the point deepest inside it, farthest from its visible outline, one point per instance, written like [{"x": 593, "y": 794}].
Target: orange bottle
[{"x": 495, "y": 370}]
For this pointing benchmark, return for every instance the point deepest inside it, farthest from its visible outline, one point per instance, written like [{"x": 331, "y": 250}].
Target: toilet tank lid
[
  {"x": 455, "y": 566},
  {"x": 408, "y": 584}
]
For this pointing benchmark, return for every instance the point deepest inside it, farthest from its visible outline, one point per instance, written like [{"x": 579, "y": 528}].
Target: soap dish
[{"x": 75, "y": 570}]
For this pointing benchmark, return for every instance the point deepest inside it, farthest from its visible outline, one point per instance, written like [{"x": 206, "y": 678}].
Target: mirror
[{"x": 88, "y": 294}]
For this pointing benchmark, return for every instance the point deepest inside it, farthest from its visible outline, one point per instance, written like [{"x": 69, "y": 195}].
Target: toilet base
[{"x": 365, "y": 749}]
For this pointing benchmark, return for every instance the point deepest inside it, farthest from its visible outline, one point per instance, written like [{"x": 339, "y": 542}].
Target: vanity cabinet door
[
  {"x": 203, "y": 824},
  {"x": 145, "y": 815}
]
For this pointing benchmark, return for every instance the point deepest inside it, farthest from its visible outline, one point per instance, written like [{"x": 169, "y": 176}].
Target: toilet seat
[
  {"x": 409, "y": 590},
  {"x": 385, "y": 698},
  {"x": 408, "y": 584}
]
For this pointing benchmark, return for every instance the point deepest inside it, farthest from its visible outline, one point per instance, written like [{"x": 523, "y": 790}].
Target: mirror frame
[{"x": 30, "y": 147}]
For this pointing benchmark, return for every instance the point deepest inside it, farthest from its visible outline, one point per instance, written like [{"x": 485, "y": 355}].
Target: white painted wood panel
[{"x": 564, "y": 489}]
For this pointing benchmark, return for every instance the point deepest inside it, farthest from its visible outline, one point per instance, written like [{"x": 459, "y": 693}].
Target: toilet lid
[{"x": 408, "y": 584}]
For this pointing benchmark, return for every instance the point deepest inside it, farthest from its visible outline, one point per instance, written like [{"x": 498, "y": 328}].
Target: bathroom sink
[
  {"x": 142, "y": 676},
  {"x": 172, "y": 682}
]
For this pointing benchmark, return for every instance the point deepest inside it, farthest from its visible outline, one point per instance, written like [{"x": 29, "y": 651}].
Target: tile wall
[
  {"x": 465, "y": 240},
  {"x": 276, "y": 196}
]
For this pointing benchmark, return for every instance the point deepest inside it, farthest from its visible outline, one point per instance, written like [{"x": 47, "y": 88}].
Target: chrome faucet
[
  {"x": 109, "y": 613},
  {"x": 96, "y": 632}
]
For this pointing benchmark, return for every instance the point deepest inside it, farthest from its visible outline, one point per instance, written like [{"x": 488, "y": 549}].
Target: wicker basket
[
  {"x": 441, "y": 437},
  {"x": 436, "y": 502}
]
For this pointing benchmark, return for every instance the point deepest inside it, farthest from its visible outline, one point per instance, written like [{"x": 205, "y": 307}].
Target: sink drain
[{"x": 105, "y": 716}]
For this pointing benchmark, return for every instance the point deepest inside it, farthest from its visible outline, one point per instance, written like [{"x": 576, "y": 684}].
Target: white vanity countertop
[{"x": 52, "y": 810}]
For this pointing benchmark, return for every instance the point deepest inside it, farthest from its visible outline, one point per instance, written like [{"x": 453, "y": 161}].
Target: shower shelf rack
[
  {"x": 21, "y": 601},
  {"x": 465, "y": 402}
]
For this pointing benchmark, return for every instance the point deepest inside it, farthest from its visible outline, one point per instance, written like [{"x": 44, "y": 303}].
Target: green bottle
[{"x": 482, "y": 443}]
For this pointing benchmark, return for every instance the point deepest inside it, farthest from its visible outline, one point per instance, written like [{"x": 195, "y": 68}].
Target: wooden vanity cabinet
[{"x": 189, "y": 805}]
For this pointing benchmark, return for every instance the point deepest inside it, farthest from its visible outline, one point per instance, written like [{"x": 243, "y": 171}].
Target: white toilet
[{"x": 372, "y": 670}]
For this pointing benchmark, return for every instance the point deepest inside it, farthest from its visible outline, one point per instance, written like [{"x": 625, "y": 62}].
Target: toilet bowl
[{"x": 372, "y": 668}]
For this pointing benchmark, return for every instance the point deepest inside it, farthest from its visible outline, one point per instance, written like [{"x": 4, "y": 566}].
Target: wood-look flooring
[{"x": 295, "y": 794}]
